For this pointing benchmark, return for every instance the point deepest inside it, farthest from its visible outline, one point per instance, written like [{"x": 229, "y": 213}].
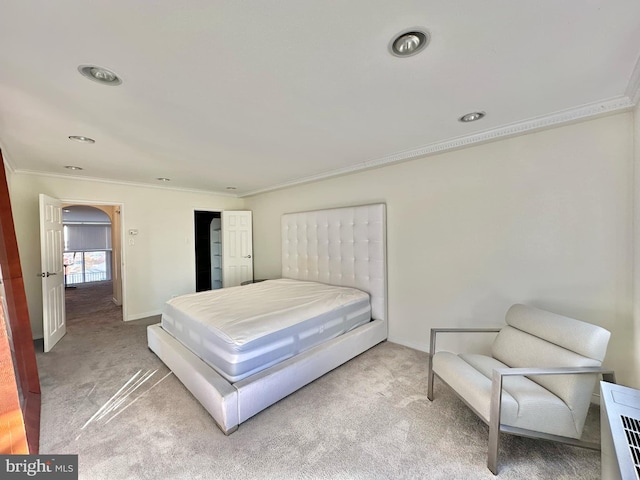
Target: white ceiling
[{"x": 264, "y": 94}]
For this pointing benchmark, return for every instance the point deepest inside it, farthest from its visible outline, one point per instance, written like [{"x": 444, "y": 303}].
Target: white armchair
[{"x": 537, "y": 382}]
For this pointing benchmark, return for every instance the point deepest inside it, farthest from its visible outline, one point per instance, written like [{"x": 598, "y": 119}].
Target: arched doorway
[{"x": 92, "y": 256}]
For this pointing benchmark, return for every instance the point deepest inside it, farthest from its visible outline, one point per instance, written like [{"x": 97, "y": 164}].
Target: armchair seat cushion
[{"x": 525, "y": 404}]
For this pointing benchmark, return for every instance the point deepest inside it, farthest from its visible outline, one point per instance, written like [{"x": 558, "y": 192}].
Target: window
[
  {"x": 87, "y": 256},
  {"x": 82, "y": 267}
]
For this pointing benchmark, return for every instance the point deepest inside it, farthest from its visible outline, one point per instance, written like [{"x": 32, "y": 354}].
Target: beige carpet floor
[{"x": 110, "y": 400}]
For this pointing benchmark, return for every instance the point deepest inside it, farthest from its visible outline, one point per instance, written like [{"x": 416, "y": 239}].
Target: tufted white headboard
[{"x": 340, "y": 246}]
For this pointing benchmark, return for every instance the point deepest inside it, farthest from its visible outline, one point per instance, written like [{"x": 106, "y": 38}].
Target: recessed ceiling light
[
  {"x": 66, "y": 210},
  {"x": 100, "y": 75},
  {"x": 163, "y": 179},
  {"x": 81, "y": 139},
  {"x": 73, "y": 167},
  {"x": 471, "y": 117},
  {"x": 231, "y": 188},
  {"x": 408, "y": 43}
]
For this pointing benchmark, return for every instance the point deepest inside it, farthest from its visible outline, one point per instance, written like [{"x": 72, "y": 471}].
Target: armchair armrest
[
  {"x": 435, "y": 331},
  {"x": 432, "y": 349},
  {"x": 498, "y": 373},
  {"x": 496, "y": 398},
  {"x": 509, "y": 372}
]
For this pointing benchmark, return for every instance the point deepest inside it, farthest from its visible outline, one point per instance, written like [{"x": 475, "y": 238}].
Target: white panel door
[
  {"x": 237, "y": 248},
  {"x": 51, "y": 260}
]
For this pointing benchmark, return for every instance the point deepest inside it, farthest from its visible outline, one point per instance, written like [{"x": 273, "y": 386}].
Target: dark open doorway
[{"x": 208, "y": 244}]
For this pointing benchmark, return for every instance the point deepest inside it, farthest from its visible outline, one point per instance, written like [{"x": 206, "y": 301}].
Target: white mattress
[{"x": 241, "y": 330}]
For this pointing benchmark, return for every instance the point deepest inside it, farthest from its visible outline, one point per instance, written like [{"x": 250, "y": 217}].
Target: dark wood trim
[{"x": 18, "y": 316}]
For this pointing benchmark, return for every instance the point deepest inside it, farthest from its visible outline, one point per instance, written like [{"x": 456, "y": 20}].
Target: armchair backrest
[{"x": 537, "y": 338}]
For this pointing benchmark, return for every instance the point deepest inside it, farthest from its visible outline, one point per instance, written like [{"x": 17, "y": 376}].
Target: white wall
[
  {"x": 543, "y": 219},
  {"x": 159, "y": 265}
]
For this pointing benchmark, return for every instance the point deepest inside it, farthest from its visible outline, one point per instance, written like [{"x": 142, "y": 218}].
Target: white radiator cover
[{"x": 620, "y": 432}]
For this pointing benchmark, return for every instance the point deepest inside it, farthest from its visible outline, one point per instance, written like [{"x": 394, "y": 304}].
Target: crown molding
[
  {"x": 123, "y": 183},
  {"x": 564, "y": 117}
]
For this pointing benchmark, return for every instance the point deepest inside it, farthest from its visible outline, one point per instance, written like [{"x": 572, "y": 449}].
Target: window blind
[{"x": 79, "y": 238}]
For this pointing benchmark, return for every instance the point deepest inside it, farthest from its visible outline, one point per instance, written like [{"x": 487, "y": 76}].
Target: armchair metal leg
[
  {"x": 432, "y": 351},
  {"x": 494, "y": 443},
  {"x": 494, "y": 422},
  {"x": 430, "y": 378}
]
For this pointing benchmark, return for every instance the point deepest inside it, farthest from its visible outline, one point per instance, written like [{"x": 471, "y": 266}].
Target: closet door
[{"x": 237, "y": 247}]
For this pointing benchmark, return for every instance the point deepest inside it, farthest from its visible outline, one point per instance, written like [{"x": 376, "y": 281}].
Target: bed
[{"x": 237, "y": 358}]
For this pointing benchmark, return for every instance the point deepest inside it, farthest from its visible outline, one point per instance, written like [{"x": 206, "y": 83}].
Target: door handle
[
  {"x": 48, "y": 274},
  {"x": 247, "y": 256}
]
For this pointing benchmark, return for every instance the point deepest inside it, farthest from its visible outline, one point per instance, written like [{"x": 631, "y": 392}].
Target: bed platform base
[
  {"x": 232, "y": 404},
  {"x": 342, "y": 246}
]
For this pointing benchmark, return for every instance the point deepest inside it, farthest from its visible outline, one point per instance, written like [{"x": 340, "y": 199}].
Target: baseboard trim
[
  {"x": 139, "y": 316},
  {"x": 405, "y": 343}
]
